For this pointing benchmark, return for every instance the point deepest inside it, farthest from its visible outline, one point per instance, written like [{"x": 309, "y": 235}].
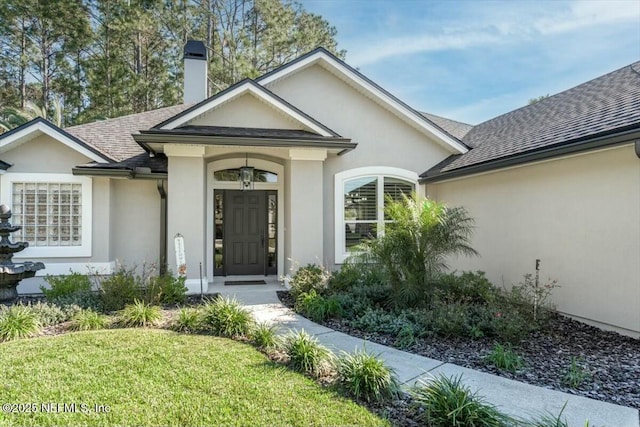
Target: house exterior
[{"x": 294, "y": 166}]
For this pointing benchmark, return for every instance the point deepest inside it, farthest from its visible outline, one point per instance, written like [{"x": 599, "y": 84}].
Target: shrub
[
  {"x": 345, "y": 278},
  {"x": 352, "y": 306},
  {"x": 366, "y": 376},
  {"x": 447, "y": 319},
  {"x": 415, "y": 246},
  {"x": 504, "y": 358},
  {"x": 18, "y": 321},
  {"x": 264, "y": 336},
  {"x": 535, "y": 296},
  {"x": 310, "y": 277},
  {"x": 227, "y": 318},
  {"x": 188, "y": 320},
  {"x": 506, "y": 322},
  {"x": 139, "y": 314},
  {"x": 468, "y": 287},
  {"x": 84, "y": 300},
  {"x": 575, "y": 374},
  {"x": 384, "y": 322},
  {"x": 447, "y": 402},
  {"x": 48, "y": 314},
  {"x": 377, "y": 294},
  {"x": 165, "y": 289},
  {"x": 120, "y": 289},
  {"x": 61, "y": 286},
  {"x": 318, "y": 308},
  {"x": 87, "y": 320},
  {"x": 306, "y": 354}
]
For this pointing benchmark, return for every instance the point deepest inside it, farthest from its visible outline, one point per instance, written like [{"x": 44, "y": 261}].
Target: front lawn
[{"x": 157, "y": 377}]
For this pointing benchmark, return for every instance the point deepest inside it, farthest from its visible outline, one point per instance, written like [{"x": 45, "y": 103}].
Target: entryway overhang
[{"x": 154, "y": 140}]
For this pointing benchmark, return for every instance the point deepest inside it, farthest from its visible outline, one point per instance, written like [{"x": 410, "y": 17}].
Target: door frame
[
  {"x": 267, "y": 194},
  {"x": 236, "y": 162}
]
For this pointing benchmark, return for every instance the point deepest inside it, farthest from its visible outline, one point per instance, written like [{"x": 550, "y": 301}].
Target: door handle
[{"x": 262, "y": 239}]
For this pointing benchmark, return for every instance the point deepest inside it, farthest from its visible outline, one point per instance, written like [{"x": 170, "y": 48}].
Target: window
[
  {"x": 233, "y": 175},
  {"x": 359, "y": 203},
  {"x": 54, "y": 211}
]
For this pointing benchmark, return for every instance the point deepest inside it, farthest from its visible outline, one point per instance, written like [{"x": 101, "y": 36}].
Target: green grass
[{"x": 154, "y": 377}]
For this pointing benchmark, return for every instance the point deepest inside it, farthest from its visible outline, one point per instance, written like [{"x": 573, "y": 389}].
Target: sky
[{"x": 473, "y": 60}]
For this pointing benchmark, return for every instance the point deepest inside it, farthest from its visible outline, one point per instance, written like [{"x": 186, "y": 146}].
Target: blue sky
[{"x": 473, "y": 60}]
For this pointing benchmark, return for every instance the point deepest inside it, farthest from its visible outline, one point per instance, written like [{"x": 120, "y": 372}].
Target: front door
[{"x": 245, "y": 222}]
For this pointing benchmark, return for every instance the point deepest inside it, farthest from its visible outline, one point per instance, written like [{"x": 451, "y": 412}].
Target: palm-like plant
[
  {"x": 414, "y": 248},
  {"x": 12, "y": 118}
]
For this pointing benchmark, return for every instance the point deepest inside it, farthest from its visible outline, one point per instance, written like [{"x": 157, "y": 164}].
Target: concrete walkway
[{"x": 513, "y": 397}]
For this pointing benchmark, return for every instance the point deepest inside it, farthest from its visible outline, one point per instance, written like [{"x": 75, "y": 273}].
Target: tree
[
  {"x": 415, "y": 245},
  {"x": 538, "y": 99},
  {"x": 16, "y": 48},
  {"x": 106, "y": 58}
]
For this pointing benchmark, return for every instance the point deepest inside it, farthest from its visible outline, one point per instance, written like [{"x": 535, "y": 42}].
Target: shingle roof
[
  {"x": 157, "y": 164},
  {"x": 113, "y": 137},
  {"x": 605, "y": 105},
  {"x": 456, "y": 129},
  {"x": 244, "y": 132}
]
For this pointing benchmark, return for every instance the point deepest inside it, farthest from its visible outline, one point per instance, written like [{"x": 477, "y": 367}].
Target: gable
[
  {"x": 37, "y": 127},
  {"x": 43, "y": 154},
  {"x": 246, "y": 111},
  {"x": 322, "y": 58},
  {"x": 239, "y": 90},
  {"x": 352, "y": 113}
]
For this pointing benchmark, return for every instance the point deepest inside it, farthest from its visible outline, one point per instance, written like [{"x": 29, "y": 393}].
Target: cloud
[{"x": 500, "y": 23}]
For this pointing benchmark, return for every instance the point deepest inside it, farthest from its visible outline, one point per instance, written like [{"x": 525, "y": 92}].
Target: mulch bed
[{"x": 612, "y": 360}]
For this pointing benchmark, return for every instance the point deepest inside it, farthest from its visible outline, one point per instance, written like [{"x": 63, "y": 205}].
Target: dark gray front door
[{"x": 245, "y": 221}]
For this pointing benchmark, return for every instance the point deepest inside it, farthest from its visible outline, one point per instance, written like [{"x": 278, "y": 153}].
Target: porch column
[
  {"x": 304, "y": 230},
  {"x": 186, "y": 197}
]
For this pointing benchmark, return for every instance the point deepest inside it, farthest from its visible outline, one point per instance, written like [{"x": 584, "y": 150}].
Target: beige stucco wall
[
  {"x": 44, "y": 154},
  {"x": 186, "y": 213},
  {"x": 135, "y": 222},
  {"x": 303, "y": 224},
  {"x": 383, "y": 139},
  {"x": 246, "y": 111},
  {"x": 580, "y": 216}
]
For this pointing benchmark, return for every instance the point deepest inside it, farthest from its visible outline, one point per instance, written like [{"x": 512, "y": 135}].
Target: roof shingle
[
  {"x": 113, "y": 137},
  {"x": 456, "y": 129},
  {"x": 607, "y": 104}
]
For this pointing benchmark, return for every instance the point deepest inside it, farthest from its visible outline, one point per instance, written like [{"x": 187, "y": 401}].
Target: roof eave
[
  {"x": 109, "y": 172},
  {"x": 620, "y": 138},
  {"x": 117, "y": 173},
  {"x": 146, "y": 139}
]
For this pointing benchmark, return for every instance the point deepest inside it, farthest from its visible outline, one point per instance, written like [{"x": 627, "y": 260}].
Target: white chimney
[{"x": 195, "y": 72}]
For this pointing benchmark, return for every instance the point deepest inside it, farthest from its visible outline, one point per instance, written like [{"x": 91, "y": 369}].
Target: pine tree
[{"x": 105, "y": 58}]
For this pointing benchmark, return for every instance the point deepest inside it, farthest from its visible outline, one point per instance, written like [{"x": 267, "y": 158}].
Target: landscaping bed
[{"x": 610, "y": 360}]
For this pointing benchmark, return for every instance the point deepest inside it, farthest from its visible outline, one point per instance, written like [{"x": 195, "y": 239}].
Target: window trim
[
  {"x": 84, "y": 250},
  {"x": 380, "y": 172}
]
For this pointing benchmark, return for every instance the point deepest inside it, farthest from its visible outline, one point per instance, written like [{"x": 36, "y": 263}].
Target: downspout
[{"x": 163, "y": 224}]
